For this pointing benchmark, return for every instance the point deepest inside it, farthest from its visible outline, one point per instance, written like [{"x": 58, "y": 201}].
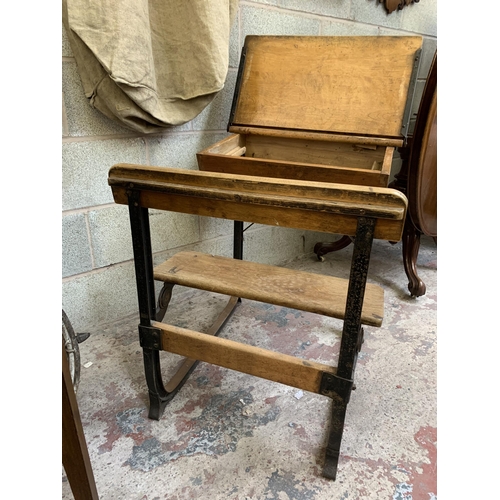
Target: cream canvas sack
[{"x": 150, "y": 64}]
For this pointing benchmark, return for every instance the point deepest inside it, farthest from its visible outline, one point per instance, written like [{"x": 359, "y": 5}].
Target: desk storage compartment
[
  {"x": 300, "y": 159},
  {"x": 328, "y": 109}
]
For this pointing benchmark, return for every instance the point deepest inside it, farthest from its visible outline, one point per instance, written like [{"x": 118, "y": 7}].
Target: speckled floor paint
[{"x": 228, "y": 435}]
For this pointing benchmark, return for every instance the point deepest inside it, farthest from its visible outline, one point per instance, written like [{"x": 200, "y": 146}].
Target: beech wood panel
[
  {"x": 293, "y": 170},
  {"x": 316, "y": 136},
  {"x": 244, "y": 358},
  {"x": 300, "y": 159},
  {"x": 387, "y": 164},
  {"x": 356, "y": 85},
  {"x": 150, "y": 177},
  {"x": 300, "y": 290},
  {"x": 318, "y": 152},
  {"x": 280, "y": 217},
  {"x": 225, "y": 145}
]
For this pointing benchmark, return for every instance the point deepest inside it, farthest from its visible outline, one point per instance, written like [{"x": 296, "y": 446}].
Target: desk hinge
[
  {"x": 150, "y": 337},
  {"x": 334, "y": 386},
  {"x": 407, "y": 114},
  {"x": 239, "y": 82}
]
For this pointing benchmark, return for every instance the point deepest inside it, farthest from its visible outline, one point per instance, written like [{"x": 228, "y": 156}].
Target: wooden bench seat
[{"x": 301, "y": 290}]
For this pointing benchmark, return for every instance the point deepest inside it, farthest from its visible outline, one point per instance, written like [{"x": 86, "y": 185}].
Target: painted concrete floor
[{"x": 228, "y": 435}]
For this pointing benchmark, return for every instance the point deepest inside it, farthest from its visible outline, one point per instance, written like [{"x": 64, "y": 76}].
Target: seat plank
[{"x": 300, "y": 290}]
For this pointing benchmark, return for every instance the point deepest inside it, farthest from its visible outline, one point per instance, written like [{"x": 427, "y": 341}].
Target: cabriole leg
[{"x": 411, "y": 246}]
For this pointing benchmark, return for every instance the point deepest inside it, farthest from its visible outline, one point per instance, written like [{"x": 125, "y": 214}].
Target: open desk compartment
[{"x": 329, "y": 109}]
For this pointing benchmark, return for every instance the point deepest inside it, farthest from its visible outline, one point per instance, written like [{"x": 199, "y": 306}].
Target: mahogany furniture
[
  {"x": 418, "y": 180},
  {"x": 75, "y": 455},
  {"x": 363, "y": 212}
]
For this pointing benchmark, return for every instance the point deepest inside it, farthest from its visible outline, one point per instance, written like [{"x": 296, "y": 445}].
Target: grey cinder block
[{"x": 76, "y": 256}]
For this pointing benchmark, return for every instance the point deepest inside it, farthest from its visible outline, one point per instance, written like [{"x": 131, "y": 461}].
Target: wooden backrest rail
[
  {"x": 333, "y": 207},
  {"x": 308, "y": 205},
  {"x": 122, "y": 174}
]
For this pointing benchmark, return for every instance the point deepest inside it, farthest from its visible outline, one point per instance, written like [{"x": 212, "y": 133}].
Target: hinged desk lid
[{"x": 340, "y": 85}]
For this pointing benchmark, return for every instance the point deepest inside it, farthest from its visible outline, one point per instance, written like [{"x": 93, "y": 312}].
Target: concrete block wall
[{"x": 98, "y": 284}]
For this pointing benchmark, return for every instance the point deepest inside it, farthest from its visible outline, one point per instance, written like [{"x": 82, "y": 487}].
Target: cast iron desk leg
[
  {"x": 352, "y": 338},
  {"x": 143, "y": 261},
  {"x": 159, "y": 396}
]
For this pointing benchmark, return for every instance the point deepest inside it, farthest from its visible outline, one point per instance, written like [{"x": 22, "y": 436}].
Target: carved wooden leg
[
  {"x": 411, "y": 246},
  {"x": 321, "y": 249}
]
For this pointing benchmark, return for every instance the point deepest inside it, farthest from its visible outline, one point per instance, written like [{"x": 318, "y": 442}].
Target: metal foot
[
  {"x": 336, "y": 430},
  {"x": 157, "y": 406},
  {"x": 331, "y": 465}
]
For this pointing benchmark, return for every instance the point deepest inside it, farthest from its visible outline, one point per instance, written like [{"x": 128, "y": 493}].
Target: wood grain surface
[
  {"x": 300, "y": 290},
  {"x": 355, "y": 85}
]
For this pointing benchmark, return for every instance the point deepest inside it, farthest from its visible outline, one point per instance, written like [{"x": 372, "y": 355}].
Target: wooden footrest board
[
  {"x": 300, "y": 290},
  {"x": 282, "y": 368}
]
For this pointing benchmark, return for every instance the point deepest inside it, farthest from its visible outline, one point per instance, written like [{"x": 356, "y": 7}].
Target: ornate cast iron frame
[{"x": 338, "y": 387}]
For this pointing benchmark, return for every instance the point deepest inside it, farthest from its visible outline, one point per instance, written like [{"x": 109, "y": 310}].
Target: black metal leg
[
  {"x": 143, "y": 260},
  {"x": 352, "y": 338},
  {"x": 159, "y": 396},
  {"x": 163, "y": 300},
  {"x": 238, "y": 240},
  {"x": 355, "y": 296},
  {"x": 339, "y": 408}
]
